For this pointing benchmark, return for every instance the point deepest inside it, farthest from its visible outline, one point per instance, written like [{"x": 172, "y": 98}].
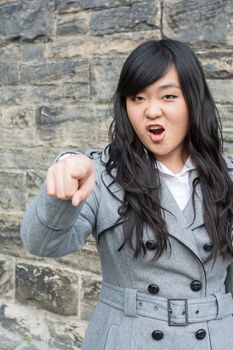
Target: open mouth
[{"x": 156, "y": 130}]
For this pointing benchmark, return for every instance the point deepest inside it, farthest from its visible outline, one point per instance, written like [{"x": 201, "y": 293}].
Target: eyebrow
[{"x": 167, "y": 86}]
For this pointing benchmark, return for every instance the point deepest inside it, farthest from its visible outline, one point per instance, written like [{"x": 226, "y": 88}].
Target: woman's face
[{"x": 159, "y": 117}]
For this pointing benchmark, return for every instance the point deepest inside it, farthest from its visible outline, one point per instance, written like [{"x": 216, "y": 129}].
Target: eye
[
  {"x": 169, "y": 97},
  {"x": 138, "y": 98}
]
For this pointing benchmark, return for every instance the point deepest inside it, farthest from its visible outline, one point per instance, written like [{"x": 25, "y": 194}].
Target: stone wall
[{"x": 59, "y": 65}]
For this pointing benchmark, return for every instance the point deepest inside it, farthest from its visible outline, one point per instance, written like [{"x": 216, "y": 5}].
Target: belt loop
[
  {"x": 220, "y": 306},
  {"x": 130, "y": 305}
]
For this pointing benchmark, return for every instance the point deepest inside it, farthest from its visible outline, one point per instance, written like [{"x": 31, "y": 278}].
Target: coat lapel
[{"x": 180, "y": 223}]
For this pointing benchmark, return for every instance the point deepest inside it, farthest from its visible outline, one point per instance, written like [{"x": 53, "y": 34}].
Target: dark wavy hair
[{"x": 135, "y": 169}]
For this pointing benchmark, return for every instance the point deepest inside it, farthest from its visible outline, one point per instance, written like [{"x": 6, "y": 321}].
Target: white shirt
[{"x": 178, "y": 184}]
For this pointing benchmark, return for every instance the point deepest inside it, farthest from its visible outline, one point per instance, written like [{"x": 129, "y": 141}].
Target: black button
[
  {"x": 157, "y": 335},
  {"x": 153, "y": 288},
  {"x": 208, "y": 247},
  {"x": 196, "y": 285},
  {"x": 151, "y": 245},
  {"x": 200, "y": 334}
]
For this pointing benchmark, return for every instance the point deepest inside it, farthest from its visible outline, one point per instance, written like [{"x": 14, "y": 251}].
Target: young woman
[{"x": 159, "y": 207}]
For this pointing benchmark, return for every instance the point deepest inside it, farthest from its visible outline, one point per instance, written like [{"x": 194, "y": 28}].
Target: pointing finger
[{"x": 84, "y": 190}]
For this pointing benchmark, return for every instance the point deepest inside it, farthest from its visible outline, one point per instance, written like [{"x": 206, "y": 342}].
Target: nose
[{"x": 153, "y": 111}]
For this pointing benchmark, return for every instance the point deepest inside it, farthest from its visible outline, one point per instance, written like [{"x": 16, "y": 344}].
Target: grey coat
[{"x": 133, "y": 312}]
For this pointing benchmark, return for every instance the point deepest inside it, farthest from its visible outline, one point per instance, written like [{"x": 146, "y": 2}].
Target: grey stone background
[{"x": 59, "y": 65}]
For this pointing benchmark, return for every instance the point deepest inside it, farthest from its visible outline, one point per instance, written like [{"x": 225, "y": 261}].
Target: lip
[
  {"x": 155, "y": 137},
  {"x": 152, "y": 125}
]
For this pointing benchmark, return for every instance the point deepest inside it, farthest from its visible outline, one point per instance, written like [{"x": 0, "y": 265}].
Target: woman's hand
[{"x": 72, "y": 178}]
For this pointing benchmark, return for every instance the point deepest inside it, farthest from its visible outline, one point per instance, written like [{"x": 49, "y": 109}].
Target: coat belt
[{"x": 177, "y": 312}]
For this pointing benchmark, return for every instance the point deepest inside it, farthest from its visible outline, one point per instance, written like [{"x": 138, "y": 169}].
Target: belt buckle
[{"x": 185, "y": 313}]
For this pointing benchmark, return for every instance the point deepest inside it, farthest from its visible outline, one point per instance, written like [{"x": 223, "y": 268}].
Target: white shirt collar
[{"x": 187, "y": 167}]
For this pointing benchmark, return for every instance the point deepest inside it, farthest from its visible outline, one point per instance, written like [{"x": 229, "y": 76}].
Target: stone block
[
  {"x": 9, "y": 63},
  {"x": 217, "y": 64},
  {"x": 66, "y": 333},
  {"x": 22, "y": 137},
  {"x": 90, "y": 293},
  {"x": 53, "y": 290},
  {"x": 143, "y": 15},
  {"x": 27, "y": 20},
  {"x": 228, "y": 148},
  {"x": 33, "y": 52},
  {"x": 72, "y": 25},
  {"x": 10, "y": 53},
  {"x": 66, "y": 70},
  {"x": 12, "y": 191},
  {"x": 226, "y": 112},
  {"x": 66, "y": 93},
  {"x": 68, "y": 48},
  {"x": 85, "y": 260},
  {"x": 10, "y": 222},
  {"x": 62, "y": 92},
  {"x": 27, "y": 326},
  {"x": 17, "y": 117},
  {"x": 105, "y": 72},
  {"x": 34, "y": 180},
  {"x": 6, "y": 278},
  {"x": 66, "y": 6},
  {"x": 203, "y": 24},
  {"x": 12, "y": 95},
  {"x": 92, "y": 46},
  {"x": 221, "y": 90},
  {"x": 9, "y": 74},
  {"x": 71, "y": 127},
  {"x": 10, "y": 242},
  {"x": 8, "y": 324},
  {"x": 28, "y": 157},
  {"x": 18, "y": 126},
  {"x": 120, "y": 43}
]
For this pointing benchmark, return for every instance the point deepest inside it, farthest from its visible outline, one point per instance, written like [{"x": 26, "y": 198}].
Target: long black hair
[{"x": 135, "y": 167}]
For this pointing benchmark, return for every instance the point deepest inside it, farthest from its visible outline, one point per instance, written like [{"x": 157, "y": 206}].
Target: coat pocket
[{"x": 111, "y": 339}]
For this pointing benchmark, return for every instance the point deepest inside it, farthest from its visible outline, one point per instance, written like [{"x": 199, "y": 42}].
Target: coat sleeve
[
  {"x": 229, "y": 279},
  {"x": 53, "y": 228}
]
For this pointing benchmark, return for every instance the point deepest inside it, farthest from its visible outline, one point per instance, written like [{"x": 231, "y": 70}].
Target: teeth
[{"x": 156, "y": 127}]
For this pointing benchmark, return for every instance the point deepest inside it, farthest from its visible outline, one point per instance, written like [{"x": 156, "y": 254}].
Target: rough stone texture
[
  {"x": 55, "y": 291},
  {"x": 33, "y": 52},
  {"x": 222, "y": 90},
  {"x": 90, "y": 293},
  {"x": 85, "y": 46},
  {"x": 200, "y": 23},
  {"x": 59, "y": 66},
  {"x": 104, "y": 77},
  {"x": 140, "y": 16},
  {"x": 41, "y": 330},
  {"x": 72, "y": 127},
  {"x": 27, "y": 20},
  {"x": 226, "y": 112},
  {"x": 64, "y": 93},
  {"x": 77, "y": 5},
  {"x": 12, "y": 198},
  {"x": 6, "y": 278},
  {"x": 217, "y": 64},
  {"x": 86, "y": 260},
  {"x": 72, "y": 25},
  {"x": 75, "y": 70}
]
